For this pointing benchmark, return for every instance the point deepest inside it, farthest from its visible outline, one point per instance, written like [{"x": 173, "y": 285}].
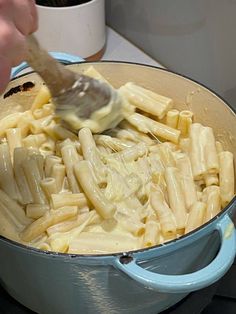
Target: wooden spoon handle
[{"x": 54, "y": 74}]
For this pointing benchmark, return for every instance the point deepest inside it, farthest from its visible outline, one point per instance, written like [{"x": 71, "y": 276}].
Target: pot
[{"x": 143, "y": 281}]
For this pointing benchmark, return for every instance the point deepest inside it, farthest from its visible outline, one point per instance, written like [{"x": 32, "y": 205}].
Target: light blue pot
[{"x": 145, "y": 281}]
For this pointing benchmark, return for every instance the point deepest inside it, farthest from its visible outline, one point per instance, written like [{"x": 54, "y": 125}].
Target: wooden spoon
[{"x": 72, "y": 92}]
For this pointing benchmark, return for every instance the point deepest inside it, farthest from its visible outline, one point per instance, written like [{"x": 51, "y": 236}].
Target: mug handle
[
  {"x": 188, "y": 282},
  {"x": 62, "y": 57}
]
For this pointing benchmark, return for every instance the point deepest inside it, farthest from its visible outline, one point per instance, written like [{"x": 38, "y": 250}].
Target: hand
[{"x": 18, "y": 18}]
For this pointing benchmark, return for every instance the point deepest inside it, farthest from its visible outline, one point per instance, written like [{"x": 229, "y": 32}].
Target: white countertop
[{"x": 120, "y": 49}]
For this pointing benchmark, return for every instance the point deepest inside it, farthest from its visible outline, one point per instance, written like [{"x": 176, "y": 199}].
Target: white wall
[{"x": 193, "y": 37}]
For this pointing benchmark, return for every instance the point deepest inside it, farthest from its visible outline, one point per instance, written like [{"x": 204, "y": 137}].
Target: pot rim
[{"x": 171, "y": 242}]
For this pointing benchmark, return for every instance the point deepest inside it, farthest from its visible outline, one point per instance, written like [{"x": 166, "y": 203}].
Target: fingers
[
  {"x": 18, "y": 18},
  {"x": 34, "y": 14},
  {"x": 25, "y": 16},
  {"x": 12, "y": 43},
  {"x": 5, "y": 70}
]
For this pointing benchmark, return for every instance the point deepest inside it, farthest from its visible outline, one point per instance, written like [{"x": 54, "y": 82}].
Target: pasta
[
  {"x": 196, "y": 216},
  {"x": 176, "y": 196},
  {"x": 85, "y": 176},
  {"x": 172, "y": 118},
  {"x": 147, "y": 125},
  {"x": 189, "y": 190},
  {"x": 184, "y": 122},
  {"x": 211, "y": 196},
  {"x": 36, "y": 211},
  {"x": 226, "y": 177},
  {"x": 14, "y": 139},
  {"x": 156, "y": 176},
  {"x": 32, "y": 174},
  {"x": 75, "y": 199},
  {"x": 7, "y": 180},
  {"x": 147, "y": 100}
]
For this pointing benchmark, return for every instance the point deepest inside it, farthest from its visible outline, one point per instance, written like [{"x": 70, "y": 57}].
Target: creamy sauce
[{"x": 104, "y": 118}]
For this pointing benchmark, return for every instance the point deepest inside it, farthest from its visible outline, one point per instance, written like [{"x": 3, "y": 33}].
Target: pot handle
[
  {"x": 64, "y": 58},
  {"x": 188, "y": 282}
]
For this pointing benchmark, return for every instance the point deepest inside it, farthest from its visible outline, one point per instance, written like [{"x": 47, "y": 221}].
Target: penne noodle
[
  {"x": 10, "y": 217},
  {"x": 196, "y": 151},
  {"x": 83, "y": 210},
  {"x": 48, "y": 146},
  {"x": 14, "y": 139},
  {"x": 152, "y": 231},
  {"x": 104, "y": 150},
  {"x": 184, "y": 122},
  {"x": 113, "y": 143},
  {"x": 49, "y": 187},
  {"x": 21, "y": 154},
  {"x": 40, "y": 163},
  {"x": 129, "y": 132},
  {"x": 90, "y": 153},
  {"x": 210, "y": 152},
  {"x": 33, "y": 177},
  {"x": 8, "y": 228},
  {"x": 147, "y": 125},
  {"x": 50, "y": 161},
  {"x": 58, "y": 172},
  {"x": 172, "y": 118},
  {"x": 166, "y": 155},
  {"x": 156, "y": 164},
  {"x": 211, "y": 179},
  {"x": 137, "y": 228},
  {"x": 70, "y": 158},
  {"x": 41, "y": 98},
  {"x": 132, "y": 153},
  {"x": 163, "y": 212},
  {"x": 226, "y": 177},
  {"x": 58, "y": 132},
  {"x": 46, "y": 110},
  {"x": 9, "y": 121},
  {"x": 36, "y": 211},
  {"x": 85, "y": 176},
  {"x": 34, "y": 140},
  {"x": 146, "y": 100},
  {"x": 78, "y": 147},
  {"x": 50, "y": 218},
  {"x": 189, "y": 190},
  {"x": 68, "y": 224},
  {"x": 7, "y": 180},
  {"x": 176, "y": 196},
  {"x": 24, "y": 122},
  {"x": 61, "y": 241},
  {"x": 37, "y": 126},
  {"x": 62, "y": 133},
  {"x": 196, "y": 216},
  {"x": 14, "y": 209},
  {"x": 39, "y": 113},
  {"x": 75, "y": 199},
  {"x": 213, "y": 202}
]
